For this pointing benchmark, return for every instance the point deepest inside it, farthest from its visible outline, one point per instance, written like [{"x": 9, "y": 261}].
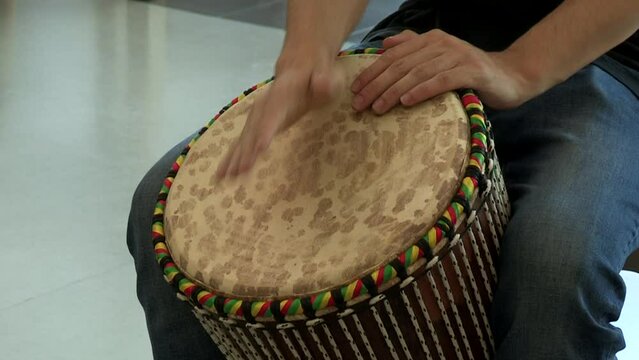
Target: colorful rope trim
[
  {"x": 308, "y": 306},
  {"x": 374, "y": 51}
]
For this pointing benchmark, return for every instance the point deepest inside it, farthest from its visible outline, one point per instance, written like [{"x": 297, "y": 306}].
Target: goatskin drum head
[{"x": 334, "y": 197}]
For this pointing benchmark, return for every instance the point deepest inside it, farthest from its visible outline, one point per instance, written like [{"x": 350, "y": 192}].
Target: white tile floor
[{"x": 91, "y": 94}]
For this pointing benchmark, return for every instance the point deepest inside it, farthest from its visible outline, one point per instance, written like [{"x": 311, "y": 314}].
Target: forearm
[
  {"x": 573, "y": 35},
  {"x": 319, "y": 27},
  {"x": 315, "y": 31}
]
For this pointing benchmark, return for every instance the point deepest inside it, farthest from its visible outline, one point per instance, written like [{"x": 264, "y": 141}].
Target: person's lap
[
  {"x": 574, "y": 186},
  {"x": 174, "y": 331},
  {"x": 573, "y": 178}
]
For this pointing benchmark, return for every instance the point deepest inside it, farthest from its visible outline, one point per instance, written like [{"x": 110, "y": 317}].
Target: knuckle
[
  {"x": 299, "y": 81},
  {"x": 414, "y": 96},
  {"x": 384, "y": 62},
  {"x": 444, "y": 79},
  {"x": 437, "y": 33},
  {"x": 419, "y": 72},
  {"x": 481, "y": 64},
  {"x": 365, "y": 75},
  {"x": 367, "y": 92},
  {"x": 320, "y": 86},
  {"x": 447, "y": 40},
  {"x": 390, "y": 95},
  {"x": 481, "y": 68},
  {"x": 388, "y": 57},
  {"x": 261, "y": 144},
  {"x": 399, "y": 66},
  {"x": 408, "y": 33}
]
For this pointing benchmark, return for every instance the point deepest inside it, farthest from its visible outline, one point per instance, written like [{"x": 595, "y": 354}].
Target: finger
[
  {"x": 398, "y": 70},
  {"x": 232, "y": 170},
  {"x": 396, "y": 52},
  {"x": 280, "y": 111},
  {"x": 394, "y": 40},
  {"x": 246, "y": 159},
  {"x": 250, "y": 153},
  {"x": 420, "y": 73},
  {"x": 222, "y": 169},
  {"x": 442, "y": 82},
  {"x": 220, "y": 173},
  {"x": 375, "y": 87},
  {"x": 255, "y": 108},
  {"x": 384, "y": 61},
  {"x": 275, "y": 115}
]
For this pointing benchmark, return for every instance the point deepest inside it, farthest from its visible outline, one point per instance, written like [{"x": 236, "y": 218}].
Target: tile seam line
[{"x": 62, "y": 287}]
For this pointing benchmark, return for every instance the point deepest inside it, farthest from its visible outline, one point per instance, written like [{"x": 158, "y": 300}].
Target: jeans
[
  {"x": 572, "y": 172},
  {"x": 174, "y": 331}
]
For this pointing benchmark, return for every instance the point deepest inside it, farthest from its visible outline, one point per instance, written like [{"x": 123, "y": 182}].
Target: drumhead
[{"x": 336, "y": 196}]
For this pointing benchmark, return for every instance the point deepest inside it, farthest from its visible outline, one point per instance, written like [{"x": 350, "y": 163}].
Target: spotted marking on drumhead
[
  {"x": 439, "y": 109},
  {"x": 335, "y": 196},
  {"x": 240, "y": 194},
  {"x": 248, "y": 204},
  {"x": 227, "y": 202},
  {"x": 228, "y": 126},
  {"x": 290, "y": 213},
  {"x": 349, "y": 224},
  {"x": 402, "y": 199}
]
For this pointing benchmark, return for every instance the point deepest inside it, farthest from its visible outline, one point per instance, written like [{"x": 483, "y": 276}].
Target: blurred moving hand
[
  {"x": 304, "y": 76},
  {"x": 301, "y": 84}
]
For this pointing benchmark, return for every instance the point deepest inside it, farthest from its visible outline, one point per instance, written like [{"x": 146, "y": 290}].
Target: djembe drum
[{"x": 356, "y": 236}]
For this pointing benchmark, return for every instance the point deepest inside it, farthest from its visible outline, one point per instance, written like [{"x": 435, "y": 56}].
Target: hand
[
  {"x": 417, "y": 67},
  {"x": 301, "y": 83}
]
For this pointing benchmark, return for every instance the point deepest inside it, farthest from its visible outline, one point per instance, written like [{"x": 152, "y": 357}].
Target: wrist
[
  {"x": 535, "y": 73},
  {"x": 523, "y": 72},
  {"x": 304, "y": 58}
]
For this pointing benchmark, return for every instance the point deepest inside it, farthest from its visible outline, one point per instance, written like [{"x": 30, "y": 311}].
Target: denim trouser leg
[
  {"x": 572, "y": 169},
  {"x": 174, "y": 331}
]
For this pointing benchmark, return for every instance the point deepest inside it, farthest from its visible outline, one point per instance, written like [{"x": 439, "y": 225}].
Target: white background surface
[{"x": 91, "y": 94}]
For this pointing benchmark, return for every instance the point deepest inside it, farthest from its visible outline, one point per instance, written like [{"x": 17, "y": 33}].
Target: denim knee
[{"x": 557, "y": 291}]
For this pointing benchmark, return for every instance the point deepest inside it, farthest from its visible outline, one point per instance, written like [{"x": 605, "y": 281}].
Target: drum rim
[{"x": 423, "y": 249}]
